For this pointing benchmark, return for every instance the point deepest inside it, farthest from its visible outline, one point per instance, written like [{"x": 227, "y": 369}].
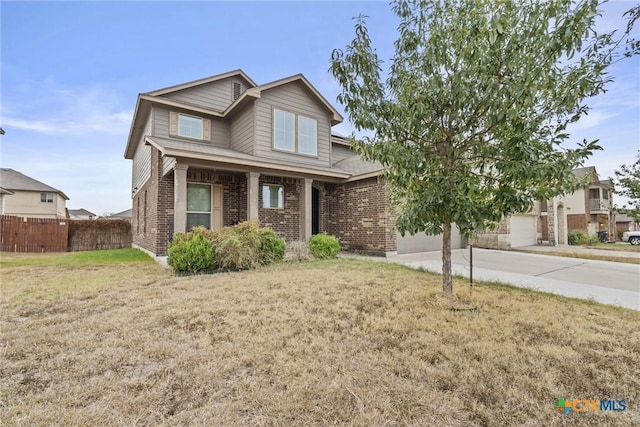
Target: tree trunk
[{"x": 447, "y": 283}]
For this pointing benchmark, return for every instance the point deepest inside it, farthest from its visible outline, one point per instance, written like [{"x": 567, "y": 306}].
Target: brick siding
[
  {"x": 356, "y": 213},
  {"x": 285, "y": 222}
]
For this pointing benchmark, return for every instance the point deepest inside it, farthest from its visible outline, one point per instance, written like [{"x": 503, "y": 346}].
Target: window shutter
[
  {"x": 206, "y": 129},
  {"x": 173, "y": 123}
]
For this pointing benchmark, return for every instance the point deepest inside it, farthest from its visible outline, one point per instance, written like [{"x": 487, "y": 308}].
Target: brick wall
[
  {"x": 356, "y": 213},
  {"x": 145, "y": 208},
  {"x": 285, "y": 222}
]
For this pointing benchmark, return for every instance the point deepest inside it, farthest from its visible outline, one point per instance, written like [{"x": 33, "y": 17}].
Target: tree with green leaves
[
  {"x": 627, "y": 183},
  {"x": 471, "y": 116}
]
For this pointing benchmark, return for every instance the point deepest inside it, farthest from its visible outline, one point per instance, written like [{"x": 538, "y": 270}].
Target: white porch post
[
  {"x": 305, "y": 210},
  {"x": 180, "y": 198},
  {"x": 252, "y": 195}
]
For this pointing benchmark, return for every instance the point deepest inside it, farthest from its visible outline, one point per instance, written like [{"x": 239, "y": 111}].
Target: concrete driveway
[{"x": 602, "y": 281}]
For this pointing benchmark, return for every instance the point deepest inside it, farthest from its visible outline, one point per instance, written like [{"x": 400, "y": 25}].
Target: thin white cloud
[
  {"x": 56, "y": 110},
  {"x": 111, "y": 123}
]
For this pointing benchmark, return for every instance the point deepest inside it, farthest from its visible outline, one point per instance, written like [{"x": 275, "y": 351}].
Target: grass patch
[
  {"x": 70, "y": 259},
  {"x": 340, "y": 342},
  {"x": 582, "y": 255},
  {"x": 615, "y": 247}
]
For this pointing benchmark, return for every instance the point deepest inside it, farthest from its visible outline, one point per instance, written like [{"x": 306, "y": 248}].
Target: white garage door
[
  {"x": 422, "y": 243},
  {"x": 523, "y": 230}
]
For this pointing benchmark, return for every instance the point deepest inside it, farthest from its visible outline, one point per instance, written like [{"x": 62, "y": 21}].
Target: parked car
[{"x": 632, "y": 237}]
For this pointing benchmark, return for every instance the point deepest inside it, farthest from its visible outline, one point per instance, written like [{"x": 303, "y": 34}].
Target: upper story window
[
  {"x": 605, "y": 194},
  {"x": 188, "y": 126},
  {"x": 594, "y": 193},
  {"x": 46, "y": 197},
  {"x": 295, "y": 133}
]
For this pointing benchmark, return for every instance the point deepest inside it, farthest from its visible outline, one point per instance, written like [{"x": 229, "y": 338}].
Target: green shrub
[
  {"x": 272, "y": 247},
  {"x": 191, "y": 253},
  {"x": 578, "y": 238},
  {"x": 324, "y": 246},
  {"x": 234, "y": 254}
]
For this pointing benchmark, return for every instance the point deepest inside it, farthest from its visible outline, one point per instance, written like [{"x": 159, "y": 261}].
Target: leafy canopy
[
  {"x": 627, "y": 183},
  {"x": 470, "y": 119}
]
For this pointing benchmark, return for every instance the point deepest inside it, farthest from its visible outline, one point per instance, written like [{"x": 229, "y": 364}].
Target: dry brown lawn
[{"x": 340, "y": 342}]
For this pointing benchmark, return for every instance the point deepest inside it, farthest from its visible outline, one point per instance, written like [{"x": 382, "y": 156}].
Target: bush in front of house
[
  {"x": 272, "y": 247},
  {"x": 577, "y": 238},
  {"x": 239, "y": 247},
  {"x": 191, "y": 253},
  {"x": 324, "y": 246}
]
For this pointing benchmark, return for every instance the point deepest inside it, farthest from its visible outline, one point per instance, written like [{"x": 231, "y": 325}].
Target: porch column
[
  {"x": 180, "y": 198},
  {"x": 252, "y": 195},
  {"x": 305, "y": 210}
]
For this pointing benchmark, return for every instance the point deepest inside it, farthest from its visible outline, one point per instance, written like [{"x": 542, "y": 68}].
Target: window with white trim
[
  {"x": 198, "y": 205},
  {"x": 295, "y": 133},
  {"x": 46, "y": 197},
  {"x": 272, "y": 196},
  {"x": 190, "y": 126}
]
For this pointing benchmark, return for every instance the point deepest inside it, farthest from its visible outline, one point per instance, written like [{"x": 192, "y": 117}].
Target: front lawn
[{"x": 339, "y": 342}]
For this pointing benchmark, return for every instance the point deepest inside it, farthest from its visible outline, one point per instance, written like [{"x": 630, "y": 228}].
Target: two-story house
[
  {"x": 588, "y": 210},
  {"x": 223, "y": 149},
  {"x": 24, "y": 196}
]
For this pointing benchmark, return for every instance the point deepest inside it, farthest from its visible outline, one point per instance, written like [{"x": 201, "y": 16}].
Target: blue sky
[{"x": 71, "y": 71}]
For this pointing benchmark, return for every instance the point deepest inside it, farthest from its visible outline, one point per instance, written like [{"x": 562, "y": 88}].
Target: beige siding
[
  {"x": 293, "y": 98},
  {"x": 142, "y": 160},
  {"x": 242, "y": 131},
  {"x": 575, "y": 202},
  {"x": 27, "y": 203},
  {"x": 340, "y": 152},
  {"x": 216, "y": 95},
  {"x": 219, "y": 128}
]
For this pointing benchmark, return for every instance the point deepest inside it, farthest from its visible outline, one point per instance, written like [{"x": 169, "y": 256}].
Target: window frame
[
  {"x": 296, "y": 133},
  {"x": 189, "y": 116},
  {"x": 280, "y": 199},
  {"x": 210, "y": 212},
  {"x": 44, "y": 197}
]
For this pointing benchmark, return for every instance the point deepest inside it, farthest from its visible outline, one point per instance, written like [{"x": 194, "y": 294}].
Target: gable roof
[
  {"x": 145, "y": 100},
  {"x": 15, "y": 181},
  {"x": 200, "y": 82}
]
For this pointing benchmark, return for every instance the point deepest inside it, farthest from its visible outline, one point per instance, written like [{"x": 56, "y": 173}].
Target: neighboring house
[
  {"x": 588, "y": 210},
  {"x": 626, "y": 223},
  {"x": 81, "y": 214},
  {"x": 126, "y": 214},
  {"x": 222, "y": 150},
  {"x": 27, "y": 197}
]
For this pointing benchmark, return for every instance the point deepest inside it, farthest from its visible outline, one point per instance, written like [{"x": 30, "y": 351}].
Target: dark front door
[{"x": 315, "y": 211}]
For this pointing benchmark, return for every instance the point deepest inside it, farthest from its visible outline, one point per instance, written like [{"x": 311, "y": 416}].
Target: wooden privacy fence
[
  {"x": 19, "y": 234},
  {"x": 87, "y": 235}
]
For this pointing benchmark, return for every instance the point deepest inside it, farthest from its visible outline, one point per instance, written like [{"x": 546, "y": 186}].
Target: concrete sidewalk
[{"x": 600, "y": 281}]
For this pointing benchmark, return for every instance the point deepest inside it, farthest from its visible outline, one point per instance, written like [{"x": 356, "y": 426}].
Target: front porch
[{"x": 213, "y": 198}]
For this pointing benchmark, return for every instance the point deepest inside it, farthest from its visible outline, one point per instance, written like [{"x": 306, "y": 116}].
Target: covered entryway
[
  {"x": 422, "y": 243},
  {"x": 523, "y": 230}
]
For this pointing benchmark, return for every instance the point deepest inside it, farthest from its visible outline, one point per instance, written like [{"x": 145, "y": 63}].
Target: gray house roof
[
  {"x": 15, "y": 181},
  {"x": 126, "y": 214},
  {"x": 80, "y": 212}
]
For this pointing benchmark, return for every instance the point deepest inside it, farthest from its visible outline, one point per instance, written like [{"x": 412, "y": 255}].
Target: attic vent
[{"x": 237, "y": 90}]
